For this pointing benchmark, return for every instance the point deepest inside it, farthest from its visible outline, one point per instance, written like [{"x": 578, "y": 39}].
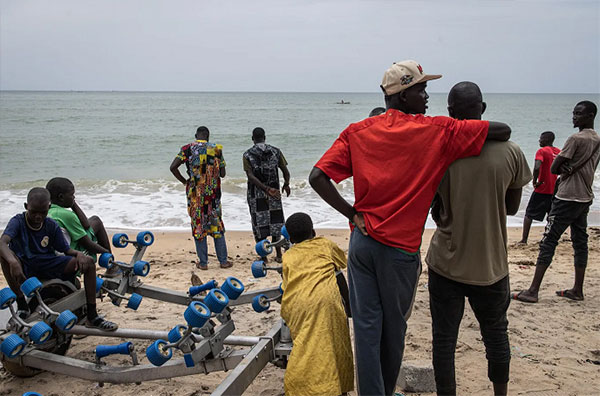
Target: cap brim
[{"x": 428, "y": 77}]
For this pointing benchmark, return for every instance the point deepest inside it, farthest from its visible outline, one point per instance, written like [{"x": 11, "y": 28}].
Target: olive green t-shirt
[
  {"x": 578, "y": 150},
  {"x": 469, "y": 244},
  {"x": 68, "y": 220}
]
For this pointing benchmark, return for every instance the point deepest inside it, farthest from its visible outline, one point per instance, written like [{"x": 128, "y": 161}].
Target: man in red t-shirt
[
  {"x": 397, "y": 160},
  {"x": 543, "y": 183}
]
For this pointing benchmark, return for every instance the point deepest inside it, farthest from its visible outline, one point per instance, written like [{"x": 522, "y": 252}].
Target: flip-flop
[
  {"x": 568, "y": 293},
  {"x": 101, "y": 324},
  {"x": 519, "y": 297}
]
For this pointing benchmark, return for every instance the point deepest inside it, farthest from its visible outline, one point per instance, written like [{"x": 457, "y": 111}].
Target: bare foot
[{"x": 525, "y": 296}]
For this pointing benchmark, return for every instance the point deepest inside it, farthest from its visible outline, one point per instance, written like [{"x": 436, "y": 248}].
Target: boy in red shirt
[
  {"x": 397, "y": 160},
  {"x": 543, "y": 183}
]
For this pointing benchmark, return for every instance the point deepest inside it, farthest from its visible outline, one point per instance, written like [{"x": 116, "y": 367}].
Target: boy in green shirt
[{"x": 86, "y": 235}]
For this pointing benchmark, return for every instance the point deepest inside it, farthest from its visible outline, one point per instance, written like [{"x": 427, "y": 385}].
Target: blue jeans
[
  {"x": 220, "y": 248},
  {"x": 382, "y": 282}
]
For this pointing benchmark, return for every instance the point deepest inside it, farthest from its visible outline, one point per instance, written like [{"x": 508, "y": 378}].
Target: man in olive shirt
[
  {"x": 467, "y": 256},
  {"x": 576, "y": 165}
]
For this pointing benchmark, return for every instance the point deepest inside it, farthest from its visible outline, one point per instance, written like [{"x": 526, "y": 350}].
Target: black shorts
[
  {"x": 49, "y": 267},
  {"x": 539, "y": 206}
]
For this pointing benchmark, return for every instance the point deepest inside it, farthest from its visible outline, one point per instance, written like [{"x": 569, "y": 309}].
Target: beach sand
[{"x": 552, "y": 342}]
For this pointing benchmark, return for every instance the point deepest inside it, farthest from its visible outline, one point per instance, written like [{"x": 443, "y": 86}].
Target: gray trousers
[{"x": 382, "y": 282}]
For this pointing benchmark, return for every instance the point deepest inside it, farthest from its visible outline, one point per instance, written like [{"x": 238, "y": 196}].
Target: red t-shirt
[
  {"x": 397, "y": 161},
  {"x": 546, "y": 155}
]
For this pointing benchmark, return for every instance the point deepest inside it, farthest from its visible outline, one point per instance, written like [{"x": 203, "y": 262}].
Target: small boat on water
[{"x": 342, "y": 102}]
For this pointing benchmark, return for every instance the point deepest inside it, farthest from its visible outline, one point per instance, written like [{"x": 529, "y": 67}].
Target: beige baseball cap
[{"x": 403, "y": 75}]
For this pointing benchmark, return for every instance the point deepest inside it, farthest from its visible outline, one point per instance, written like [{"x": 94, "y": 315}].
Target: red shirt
[
  {"x": 546, "y": 155},
  {"x": 397, "y": 161}
]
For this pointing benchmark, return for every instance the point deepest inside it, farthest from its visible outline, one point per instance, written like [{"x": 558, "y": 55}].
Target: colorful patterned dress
[{"x": 204, "y": 161}]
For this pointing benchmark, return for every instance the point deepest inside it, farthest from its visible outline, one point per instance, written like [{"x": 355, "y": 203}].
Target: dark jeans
[
  {"x": 562, "y": 215},
  {"x": 447, "y": 304},
  {"x": 383, "y": 282}
]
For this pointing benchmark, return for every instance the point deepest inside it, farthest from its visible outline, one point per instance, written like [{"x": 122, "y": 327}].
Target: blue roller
[
  {"x": 32, "y": 394},
  {"x": 134, "y": 301},
  {"x": 66, "y": 320},
  {"x": 258, "y": 269},
  {"x": 260, "y": 303},
  {"x": 106, "y": 260},
  {"x": 7, "y": 297},
  {"x": 176, "y": 333},
  {"x": 157, "y": 354},
  {"x": 261, "y": 248},
  {"x": 120, "y": 240},
  {"x": 141, "y": 268},
  {"x": 284, "y": 233},
  {"x": 281, "y": 288},
  {"x": 99, "y": 283},
  {"x": 145, "y": 238},
  {"x": 205, "y": 286},
  {"x": 233, "y": 287},
  {"x": 12, "y": 346},
  {"x": 121, "y": 349},
  {"x": 196, "y": 314},
  {"x": 40, "y": 333},
  {"x": 216, "y": 300},
  {"x": 30, "y": 286},
  {"x": 189, "y": 360}
]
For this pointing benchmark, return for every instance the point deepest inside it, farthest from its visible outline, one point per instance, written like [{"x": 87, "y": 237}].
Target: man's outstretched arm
[
  {"x": 498, "y": 131},
  {"x": 322, "y": 184}
]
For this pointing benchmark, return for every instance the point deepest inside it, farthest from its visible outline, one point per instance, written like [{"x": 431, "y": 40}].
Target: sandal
[
  {"x": 569, "y": 294},
  {"x": 201, "y": 266},
  {"x": 101, "y": 324}
]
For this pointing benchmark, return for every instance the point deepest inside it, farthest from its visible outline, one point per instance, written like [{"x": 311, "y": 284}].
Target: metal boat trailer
[{"x": 206, "y": 342}]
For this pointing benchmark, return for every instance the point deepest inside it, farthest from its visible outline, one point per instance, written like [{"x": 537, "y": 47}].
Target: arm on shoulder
[{"x": 498, "y": 131}]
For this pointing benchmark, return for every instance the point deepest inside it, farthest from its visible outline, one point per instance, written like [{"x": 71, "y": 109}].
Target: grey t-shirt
[
  {"x": 469, "y": 245},
  {"x": 578, "y": 148}
]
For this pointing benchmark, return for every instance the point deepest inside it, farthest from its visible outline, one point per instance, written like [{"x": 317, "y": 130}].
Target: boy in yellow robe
[{"x": 321, "y": 359}]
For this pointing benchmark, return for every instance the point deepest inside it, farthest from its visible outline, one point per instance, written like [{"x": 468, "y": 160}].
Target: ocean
[{"x": 117, "y": 146}]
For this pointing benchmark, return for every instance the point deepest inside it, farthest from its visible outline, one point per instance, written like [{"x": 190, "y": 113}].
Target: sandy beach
[{"x": 553, "y": 342}]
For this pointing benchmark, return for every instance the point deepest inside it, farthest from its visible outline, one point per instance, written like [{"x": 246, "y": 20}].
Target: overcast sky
[{"x": 318, "y": 46}]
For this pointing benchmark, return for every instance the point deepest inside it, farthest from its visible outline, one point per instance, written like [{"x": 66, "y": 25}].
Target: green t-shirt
[{"x": 69, "y": 221}]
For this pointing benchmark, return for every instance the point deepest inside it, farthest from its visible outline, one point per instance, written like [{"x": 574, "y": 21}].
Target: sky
[{"x": 512, "y": 46}]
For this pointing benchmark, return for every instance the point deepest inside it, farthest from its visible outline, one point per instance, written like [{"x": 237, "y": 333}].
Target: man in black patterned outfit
[{"x": 261, "y": 163}]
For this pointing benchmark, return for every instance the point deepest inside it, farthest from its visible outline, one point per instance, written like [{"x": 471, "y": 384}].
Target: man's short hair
[
  {"x": 258, "y": 133},
  {"x": 58, "y": 185},
  {"x": 548, "y": 135},
  {"x": 376, "y": 111},
  {"x": 589, "y": 106},
  {"x": 299, "y": 226},
  {"x": 38, "y": 194}
]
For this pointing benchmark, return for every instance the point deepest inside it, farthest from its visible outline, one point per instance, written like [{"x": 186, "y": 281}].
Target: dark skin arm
[
  {"x": 16, "y": 271},
  {"x": 85, "y": 241},
  {"x": 273, "y": 192},
  {"x": 286, "y": 179},
  {"x": 557, "y": 163},
  {"x": 322, "y": 184},
  {"x": 513, "y": 200},
  {"x": 175, "y": 170},
  {"x": 536, "y": 174},
  {"x": 498, "y": 131}
]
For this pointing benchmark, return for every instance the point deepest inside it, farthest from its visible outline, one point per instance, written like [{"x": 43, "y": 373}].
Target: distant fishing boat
[{"x": 342, "y": 102}]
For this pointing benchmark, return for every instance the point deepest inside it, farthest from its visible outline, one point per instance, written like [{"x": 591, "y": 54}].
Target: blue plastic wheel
[
  {"x": 284, "y": 233},
  {"x": 260, "y": 303},
  {"x": 261, "y": 248},
  {"x": 106, "y": 260},
  {"x": 30, "y": 286},
  {"x": 7, "y": 297},
  {"x": 141, "y": 268},
  {"x": 145, "y": 238},
  {"x": 99, "y": 283},
  {"x": 121, "y": 349},
  {"x": 157, "y": 354},
  {"x": 281, "y": 288},
  {"x": 176, "y": 333},
  {"x": 196, "y": 314},
  {"x": 233, "y": 287},
  {"x": 66, "y": 320},
  {"x": 258, "y": 269},
  {"x": 32, "y": 394},
  {"x": 12, "y": 346},
  {"x": 120, "y": 240},
  {"x": 40, "y": 333},
  {"x": 134, "y": 301},
  {"x": 216, "y": 300}
]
